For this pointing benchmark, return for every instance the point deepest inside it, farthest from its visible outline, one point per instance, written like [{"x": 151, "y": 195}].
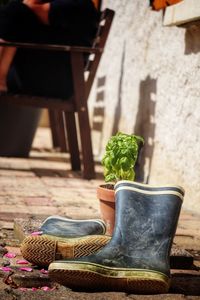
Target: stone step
[
  {"x": 186, "y": 282},
  {"x": 181, "y": 13}
]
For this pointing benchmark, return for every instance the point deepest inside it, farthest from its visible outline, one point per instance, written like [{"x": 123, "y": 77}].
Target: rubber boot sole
[
  {"x": 42, "y": 250},
  {"x": 85, "y": 276}
]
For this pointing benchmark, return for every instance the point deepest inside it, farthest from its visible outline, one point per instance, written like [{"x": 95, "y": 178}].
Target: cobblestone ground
[{"x": 44, "y": 185}]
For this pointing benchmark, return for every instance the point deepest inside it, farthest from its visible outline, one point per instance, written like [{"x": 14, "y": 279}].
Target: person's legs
[{"x": 6, "y": 57}]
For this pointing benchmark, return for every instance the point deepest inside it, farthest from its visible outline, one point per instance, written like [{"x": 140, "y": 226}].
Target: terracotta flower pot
[
  {"x": 160, "y": 4},
  {"x": 106, "y": 196}
]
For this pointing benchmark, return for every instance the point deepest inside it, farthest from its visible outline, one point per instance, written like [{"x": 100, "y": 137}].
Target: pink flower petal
[
  {"x": 26, "y": 269},
  {"x": 22, "y": 262},
  {"x": 6, "y": 269},
  {"x": 34, "y": 289},
  {"x": 10, "y": 255},
  {"x": 43, "y": 271},
  {"x": 46, "y": 288},
  {"x": 37, "y": 233}
]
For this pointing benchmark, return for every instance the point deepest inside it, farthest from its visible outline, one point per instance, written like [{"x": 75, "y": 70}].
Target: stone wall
[{"x": 148, "y": 83}]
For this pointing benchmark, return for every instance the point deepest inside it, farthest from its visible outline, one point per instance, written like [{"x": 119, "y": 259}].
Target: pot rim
[{"x": 105, "y": 194}]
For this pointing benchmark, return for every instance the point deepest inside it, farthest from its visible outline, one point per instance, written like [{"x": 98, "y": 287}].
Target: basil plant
[{"x": 120, "y": 157}]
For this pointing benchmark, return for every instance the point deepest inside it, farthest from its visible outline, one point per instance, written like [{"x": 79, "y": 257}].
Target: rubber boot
[
  {"x": 136, "y": 260},
  {"x": 63, "y": 238},
  {"x": 148, "y": 187},
  {"x": 64, "y": 227}
]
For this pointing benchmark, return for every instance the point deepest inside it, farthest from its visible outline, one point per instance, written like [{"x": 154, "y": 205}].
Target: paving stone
[
  {"x": 157, "y": 297},
  {"x": 20, "y": 278},
  {"x": 22, "y": 187},
  {"x": 29, "y": 280},
  {"x": 3, "y": 251},
  {"x": 50, "y": 165},
  {"x": 187, "y": 242},
  {"x": 12, "y": 200},
  {"x": 77, "y": 213},
  {"x": 29, "y": 210},
  {"x": 14, "y": 164},
  {"x": 3, "y": 286},
  {"x": 42, "y": 137},
  {"x": 4, "y": 262},
  {"x": 24, "y": 227},
  {"x": 15, "y": 173},
  {"x": 186, "y": 282},
  {"x": 189, "y": 229},
  {"x": 43, "y": 185},
  {"x": 65, "y": 294},
  {"x": 9, "y": 216},
  {"x": 6, "y": 225},
  {"x": 56, "y": 182},
  {"x": 68, "y": 191},
  {"x": 36, "y": 201},
  {"x": 181, "y": 259}
]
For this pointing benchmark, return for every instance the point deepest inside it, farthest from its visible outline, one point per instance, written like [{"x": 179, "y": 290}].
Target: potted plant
[
  {"x": 119, "y": 160},
  {"x": 161, "y": 4}
]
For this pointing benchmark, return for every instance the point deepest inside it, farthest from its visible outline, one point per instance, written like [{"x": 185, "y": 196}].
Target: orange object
[
  {"x": 106, "y": 198},
  {"x": 96, "y": 3},
  {"x": 160, "y": 4}
]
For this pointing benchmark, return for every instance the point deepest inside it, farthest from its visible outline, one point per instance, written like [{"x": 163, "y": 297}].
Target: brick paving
[
  {"x": 34, "y": 187},
  {"x": 44, "y": 185}
]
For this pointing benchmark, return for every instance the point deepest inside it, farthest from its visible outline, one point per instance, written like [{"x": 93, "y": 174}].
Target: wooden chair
[{"x": 62, "y": 112}]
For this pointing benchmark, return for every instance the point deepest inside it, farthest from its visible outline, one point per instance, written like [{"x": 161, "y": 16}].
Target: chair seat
[
  {"x": 40, "y": 102},
  {"x": 62, "y": 112}
]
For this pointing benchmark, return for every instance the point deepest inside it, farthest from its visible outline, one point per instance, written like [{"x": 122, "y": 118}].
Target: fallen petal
[
  {"x": 10, "y": 255},
  {"x": 43, "y": 271},
  {"x": 6, "y": 269},
  {"x": 46, "y": 288},
  {"x": 26, "y": 269},
  {"x": 22, "y": 262},
  {"x": 37, "y": 233},
  {"x": 34, "y": 289}
]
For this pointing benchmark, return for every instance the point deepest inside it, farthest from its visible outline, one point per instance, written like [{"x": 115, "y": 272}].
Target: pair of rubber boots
[{"x": 136, "y": 258}]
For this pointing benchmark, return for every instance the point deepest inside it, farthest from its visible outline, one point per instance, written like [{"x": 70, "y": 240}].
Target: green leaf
[{"x": 120, "y": 156}]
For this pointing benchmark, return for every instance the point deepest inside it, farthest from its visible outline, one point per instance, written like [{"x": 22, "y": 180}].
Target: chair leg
[
  {"x": 77, "y": 63},
  {"x": 57, "y": 125},
  {"x": 86, "y": 143},
  {"x": 53, "y": 126},
  {"x": 72, "y": 141}
]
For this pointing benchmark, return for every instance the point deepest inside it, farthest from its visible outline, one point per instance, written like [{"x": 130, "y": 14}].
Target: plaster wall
[{"x": 148, "y": 83}]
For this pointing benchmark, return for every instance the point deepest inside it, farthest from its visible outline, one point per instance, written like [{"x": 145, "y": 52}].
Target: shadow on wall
[
  {"x": 192, "y": 39},
  {"x": 145, "y": 126},
  {"x": 99, "y": 113},
  {"x": 99, "y": 108},
  {"x": 118, "y": 109}
]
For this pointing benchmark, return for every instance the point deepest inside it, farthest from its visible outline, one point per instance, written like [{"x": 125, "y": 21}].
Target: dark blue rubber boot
[{"x": 136, "y": 260}]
